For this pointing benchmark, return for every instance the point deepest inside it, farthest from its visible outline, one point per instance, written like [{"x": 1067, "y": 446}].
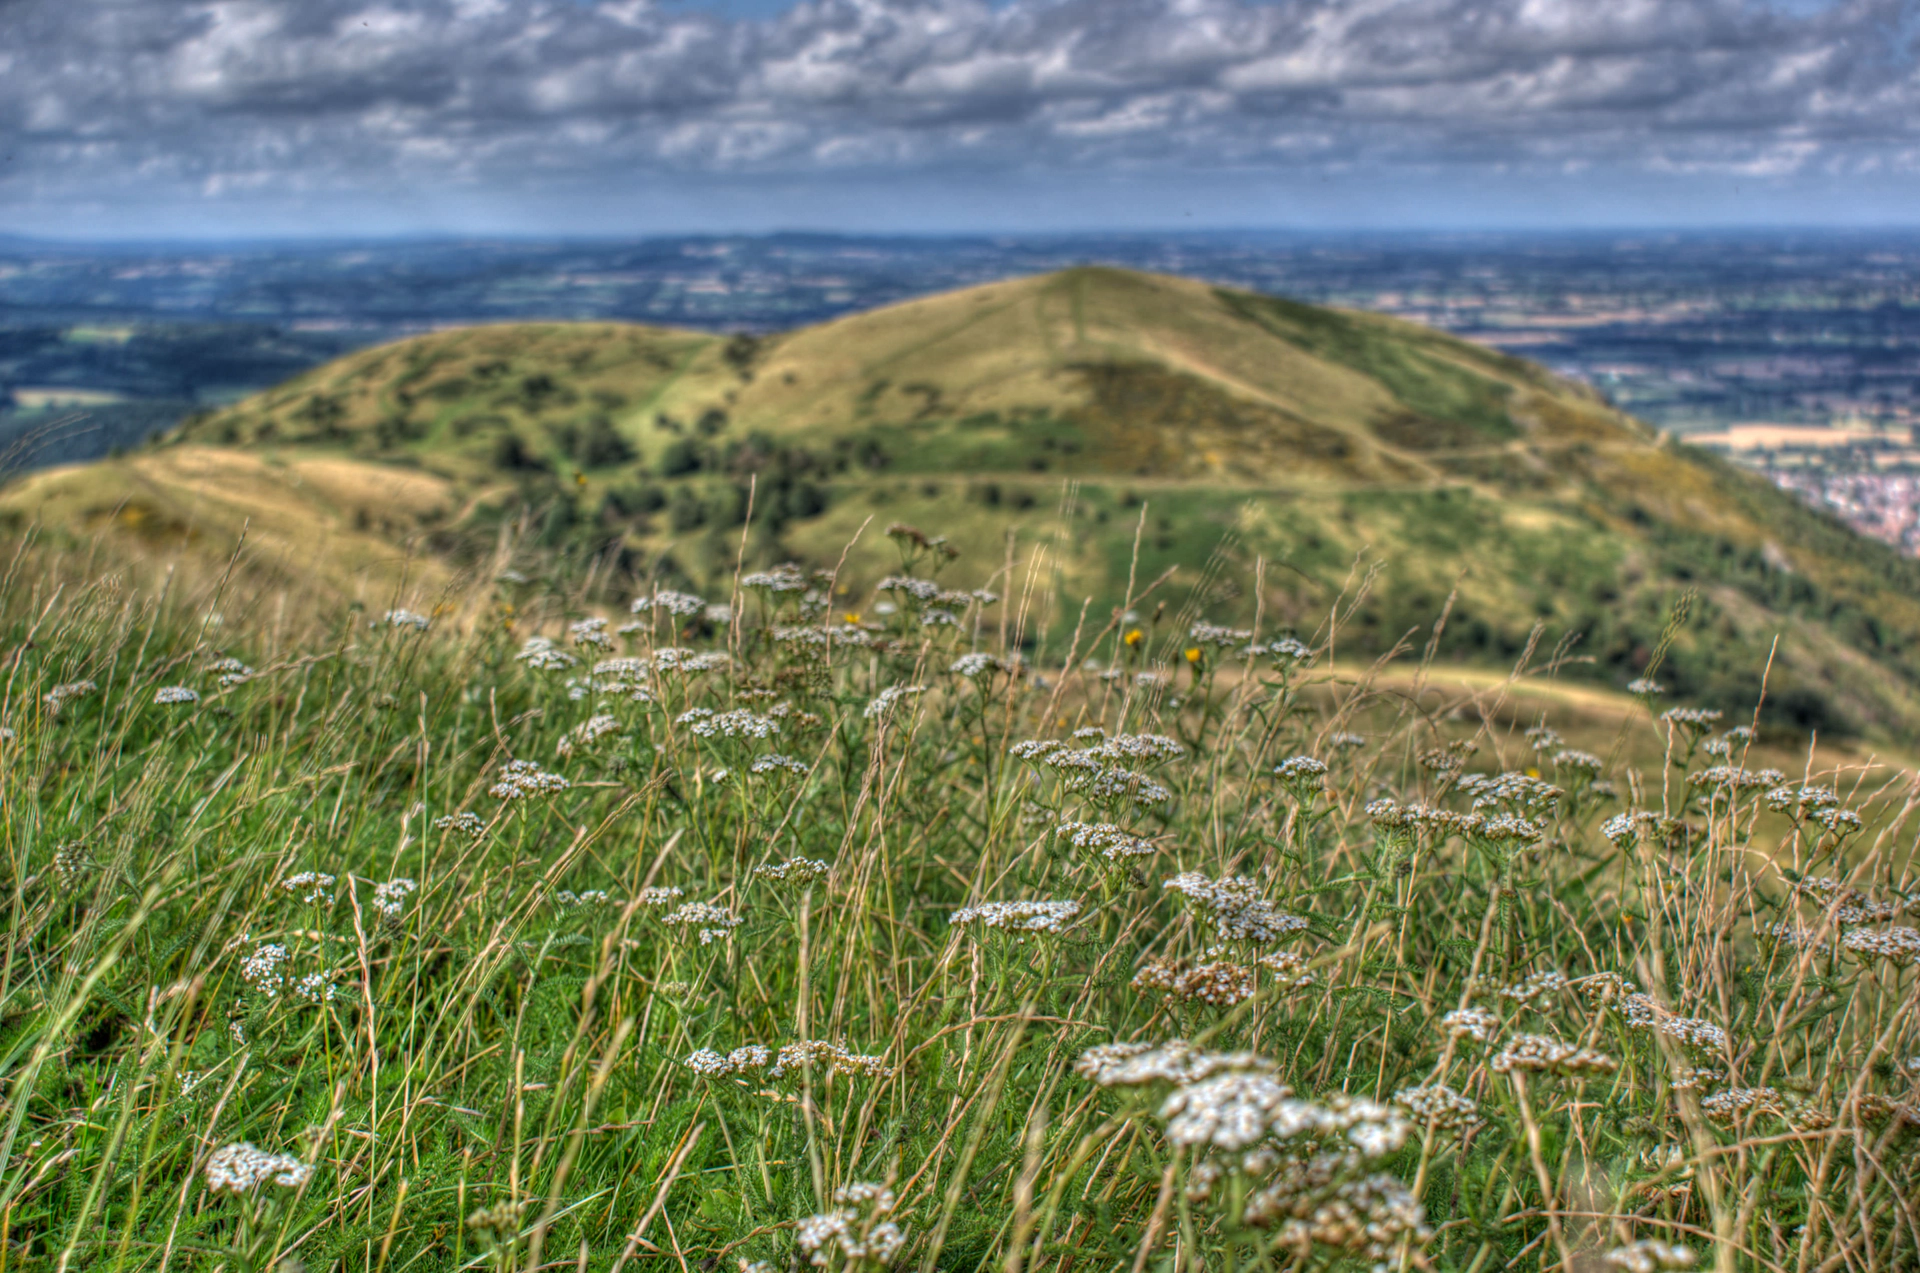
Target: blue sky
[{"x": 215, "y": 118}]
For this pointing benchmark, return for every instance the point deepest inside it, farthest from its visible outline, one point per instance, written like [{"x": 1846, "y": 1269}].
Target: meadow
[{"x": 562, "y": 921}]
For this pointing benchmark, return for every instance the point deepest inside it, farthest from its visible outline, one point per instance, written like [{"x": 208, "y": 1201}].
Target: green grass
[{"x": 490, "y": 1070}]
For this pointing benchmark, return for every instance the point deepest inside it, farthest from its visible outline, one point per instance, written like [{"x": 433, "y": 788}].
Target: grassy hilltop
[
  {"x": 1078, "y": 416},
  {"x": 881, "y": 916}
]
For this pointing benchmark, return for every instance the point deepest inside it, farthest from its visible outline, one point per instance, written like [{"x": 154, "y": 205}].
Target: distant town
[{"x": 1795, "y": 353}]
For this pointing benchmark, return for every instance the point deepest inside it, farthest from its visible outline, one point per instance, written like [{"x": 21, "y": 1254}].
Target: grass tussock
[{"x": 788, "y": 927}]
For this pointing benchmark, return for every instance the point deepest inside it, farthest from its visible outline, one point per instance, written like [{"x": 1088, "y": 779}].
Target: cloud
[{"x": 226, "y": 97}]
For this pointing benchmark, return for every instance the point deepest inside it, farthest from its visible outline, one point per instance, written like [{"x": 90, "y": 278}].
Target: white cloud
[{"x": 215, "y": 93}]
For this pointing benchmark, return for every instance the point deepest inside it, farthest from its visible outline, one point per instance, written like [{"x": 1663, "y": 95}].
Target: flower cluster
[
  {"x": 1220, "y": 983},
  {"x": 1109, "y": 841},
  {"x": 241, "y": 1168},
  {"x": 1019, "y": 917},
  {"x": 704, "y": 722},
  {"x": 520, "y": 779},
  {"x": 1235, "y": 908},
  {"x": 586, "y": 734},
  {"x": 1546, "y": 1053},
  {"x": 712, "y": 923},
  {"x": 856, "y": 1231}
]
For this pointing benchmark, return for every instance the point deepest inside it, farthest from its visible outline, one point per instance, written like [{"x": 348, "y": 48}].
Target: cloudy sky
[{"x": 370, "y": 117}]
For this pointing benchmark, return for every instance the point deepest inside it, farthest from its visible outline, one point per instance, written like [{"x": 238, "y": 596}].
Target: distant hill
[{"x": 1352, "y": 454}]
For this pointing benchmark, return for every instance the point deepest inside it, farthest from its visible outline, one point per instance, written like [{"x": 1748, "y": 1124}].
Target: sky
[{"x": 217, "y": 119}]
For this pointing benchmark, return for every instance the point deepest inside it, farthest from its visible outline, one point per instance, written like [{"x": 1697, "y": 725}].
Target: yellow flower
[
  {"x": 1532, "y": 772},
  {"x": 1193, "y": 654},
  {"x": 1133, "y": 636},
  {"x": 579, "y": 479},
  {"x": 852, "y": 617}
]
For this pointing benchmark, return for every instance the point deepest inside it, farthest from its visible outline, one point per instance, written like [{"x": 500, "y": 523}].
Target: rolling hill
[{"x": 1057, "y": 425}]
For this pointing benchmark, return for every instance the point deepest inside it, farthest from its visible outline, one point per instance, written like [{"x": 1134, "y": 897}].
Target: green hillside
[{"x": 1047, "y": 426}]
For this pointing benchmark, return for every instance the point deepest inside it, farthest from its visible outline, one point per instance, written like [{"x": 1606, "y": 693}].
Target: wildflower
[
  {"x": 316, "y": 888},
  {"x": 1287, "y": 652},
  {"x": 512, "y": 576},
  {"x": 839, "y": 1060},
  {"x": 520, "y": 779},
  {"x": 1900, "y": 945},
  {"x": 1801, "y": 801},
  {"x": 855, "y": 1229},
  {"x": 390, "y": 899},
  {"x": 1303, "y": 775},
  {"x": 786, "y": 577},
  {"x": 1220, "y": 983},
  {"x": 1543, "y": 737},
  {"x": 1111, "y": 842},
  {"x": 1643, "y": 1014},
  {"x": 739, "y": 1061},
  {"x": 1175, "y": 1061},
  {"x": 1735, "y": 778},
  {"x": 1792, "y": 936},
  {"x": 776, "y": 763},
  {"x": 1440, "y": 1106},
  {"x": 1018, "y": 917},
  {"x": 1149, "y": 748},
  {"x": 679, "y": 604},
  {"x": 465, "y": 822},
  {"x": 1372, "y": 1217},
  {"x": 1289, "y": 968},
  {"x": 1515, "y": 792},
  {"x": 972, "y": 665},
  {"x": 1584, "y": 763},
  {"x": 1228, "y": 1111},
  {"x": 1543, "y": 1052},
  {"x": 690, "y": 662},
  {"x": 1694, "y": 720},
  {"x": 57, "y": 697},
  {"x": 240, "y": 1168},
  {"x": 261, "y": 969},
  {"x": 316, "y": 987},
  {"x": 1534, "y": 987},
  {"x": 1649, "y": 1256},
  {"x": 1235, "y": 908},
  {"x": 1838, "y": 821},
  {"x": 175, "y": 694},
  {"x": 404, "y": 619},
  {"x": 1645, "y": 687},
  {"x": 881, "y": 706},
  {"x": 713, "y": 923},
  {"x": 793, "y": 871},
  {"x": 1624, "y": 828},
  {"x": 1604, "y": 987},
  {"x": 591, "y": 632},
  {"x": 1219, "y": 637},
  {"x": 592, "y": 899},
  {"x": 704, "y": 722},
  {"x": 1476, "y": 1022},
  {"x": 542, "y": 655},
  {"x": 659, "y": 896},
  {"x": 1724, "y": 1107},
  {"x": 1344, "y": 739}
]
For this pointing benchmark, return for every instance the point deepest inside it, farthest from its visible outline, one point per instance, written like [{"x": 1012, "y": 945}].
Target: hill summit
[{"x": 1068, "y": 433}]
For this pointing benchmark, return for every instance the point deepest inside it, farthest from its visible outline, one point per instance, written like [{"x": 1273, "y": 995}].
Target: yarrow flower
[
  {"x": 520, "y": 779},
  {"x": 776, "y": 763},
  {"x": 1175, "y": 1061},
  {"x": 404, "y": 619},
  {"x": 540, "y": 654},
  {"x": 713, "y": 923},
  {"x": 1899, "y": 945},
  {"x": 786, "y": 577},
  {"x": 681, "y": 604},
  {"x": 793, "y": 871},
  {"x": 1649, "y": 1256},
  {"x": 884, "y": 704},
  {"x": 1303, "y": 774},
  {"x": 1477, "y": 1023},
  {"x": 59, "y": 695},
  {"x": 586, "y": 734},
  {"x": 1544, "y": 1052},
  {"x": 704, "y": 722},
  {"x": 315, "y": 888},
  {"x": 591, "y": 632},
  {"x": 1109, "y": 841},
  {"x": 465, "y": 822},
  {"x": 1235, "y": 908},
  {"x": 390, "y": 899},
  {"x": 1220, "y": 983},
  {"x": 241, "y": 1168},
  {"x": 1018, "y": 917},
  {"x": 1441, "y": 1106},
  {"x": 261, "y": 969},
  {"x": 176, "y": 694},
  {"x": 856, "y": 1230}
]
